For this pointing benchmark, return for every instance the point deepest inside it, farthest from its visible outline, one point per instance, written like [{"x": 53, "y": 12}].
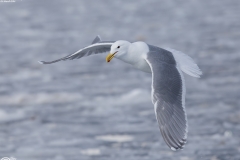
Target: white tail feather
[{"x": 186, "y": 63}]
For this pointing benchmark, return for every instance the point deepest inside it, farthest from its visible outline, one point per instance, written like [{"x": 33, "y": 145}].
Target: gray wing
[
  {"x": 96, "y": 47},
  {"x": 168, "y": 97},
  {"x": 97, "y": 39}
]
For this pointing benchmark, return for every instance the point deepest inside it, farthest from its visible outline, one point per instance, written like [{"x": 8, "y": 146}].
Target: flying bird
[{"x": 168, "y": 85}]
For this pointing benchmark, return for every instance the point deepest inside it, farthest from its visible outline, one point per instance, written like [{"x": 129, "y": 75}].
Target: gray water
[{"x": 87, "y": 109}]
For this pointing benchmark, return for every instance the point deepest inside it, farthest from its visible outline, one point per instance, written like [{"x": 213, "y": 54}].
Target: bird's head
[{"x": 118, "y": 49}]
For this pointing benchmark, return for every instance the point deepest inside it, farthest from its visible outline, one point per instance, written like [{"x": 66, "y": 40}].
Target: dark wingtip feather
[{"x": 44, "y": 62}]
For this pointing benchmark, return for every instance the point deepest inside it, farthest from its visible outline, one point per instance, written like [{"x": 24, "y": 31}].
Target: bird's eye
[{"x": 118, "y": 47}]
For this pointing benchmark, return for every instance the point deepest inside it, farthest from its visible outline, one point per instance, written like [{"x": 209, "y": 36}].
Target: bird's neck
[{"x": 136, "y": 55}]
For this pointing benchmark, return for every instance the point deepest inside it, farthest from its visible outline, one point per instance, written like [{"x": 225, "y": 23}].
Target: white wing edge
[
  {"x": 186, "y": 63},
  {"x": 183, "y": 98},
  {"x": 92, "y": 45},
  {"x": 77, "y": 52}
]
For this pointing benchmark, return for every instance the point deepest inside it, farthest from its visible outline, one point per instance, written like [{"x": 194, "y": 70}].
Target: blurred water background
[{"x": 88, "y": 109}]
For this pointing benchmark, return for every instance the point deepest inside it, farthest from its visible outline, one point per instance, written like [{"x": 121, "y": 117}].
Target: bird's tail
[{"x": 186, "y": 63}]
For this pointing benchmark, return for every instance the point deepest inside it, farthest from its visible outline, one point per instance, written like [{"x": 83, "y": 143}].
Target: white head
[{"x": 118, "y": 49}]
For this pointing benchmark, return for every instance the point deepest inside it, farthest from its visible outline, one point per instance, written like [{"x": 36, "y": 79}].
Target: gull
[{"x": 168, "y": 86}]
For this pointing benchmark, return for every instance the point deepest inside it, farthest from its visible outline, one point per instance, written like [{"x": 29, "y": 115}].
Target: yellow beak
[{"x": 110, "y": 56}]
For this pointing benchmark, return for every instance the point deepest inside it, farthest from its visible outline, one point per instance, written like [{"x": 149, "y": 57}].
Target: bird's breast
[{"x": 138, "y": 52}]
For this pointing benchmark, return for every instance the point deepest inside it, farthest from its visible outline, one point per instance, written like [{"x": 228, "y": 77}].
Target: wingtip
[
  {"x": 96, "y": 39},
  {"x": 178, "y": 148},
  {"x": 173, "y": 149},
  {"x": 41, "y": 62},
  {"x": 99, "y": 37}
]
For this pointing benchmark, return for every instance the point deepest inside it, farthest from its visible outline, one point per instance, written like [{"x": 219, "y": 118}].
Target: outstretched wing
[
  {"x": 95, "y": 48},
  {"x": 168, "y": 97}
]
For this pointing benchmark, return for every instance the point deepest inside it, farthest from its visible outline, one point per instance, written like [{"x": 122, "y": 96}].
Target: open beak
[{"x": 110, "y": 56}]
